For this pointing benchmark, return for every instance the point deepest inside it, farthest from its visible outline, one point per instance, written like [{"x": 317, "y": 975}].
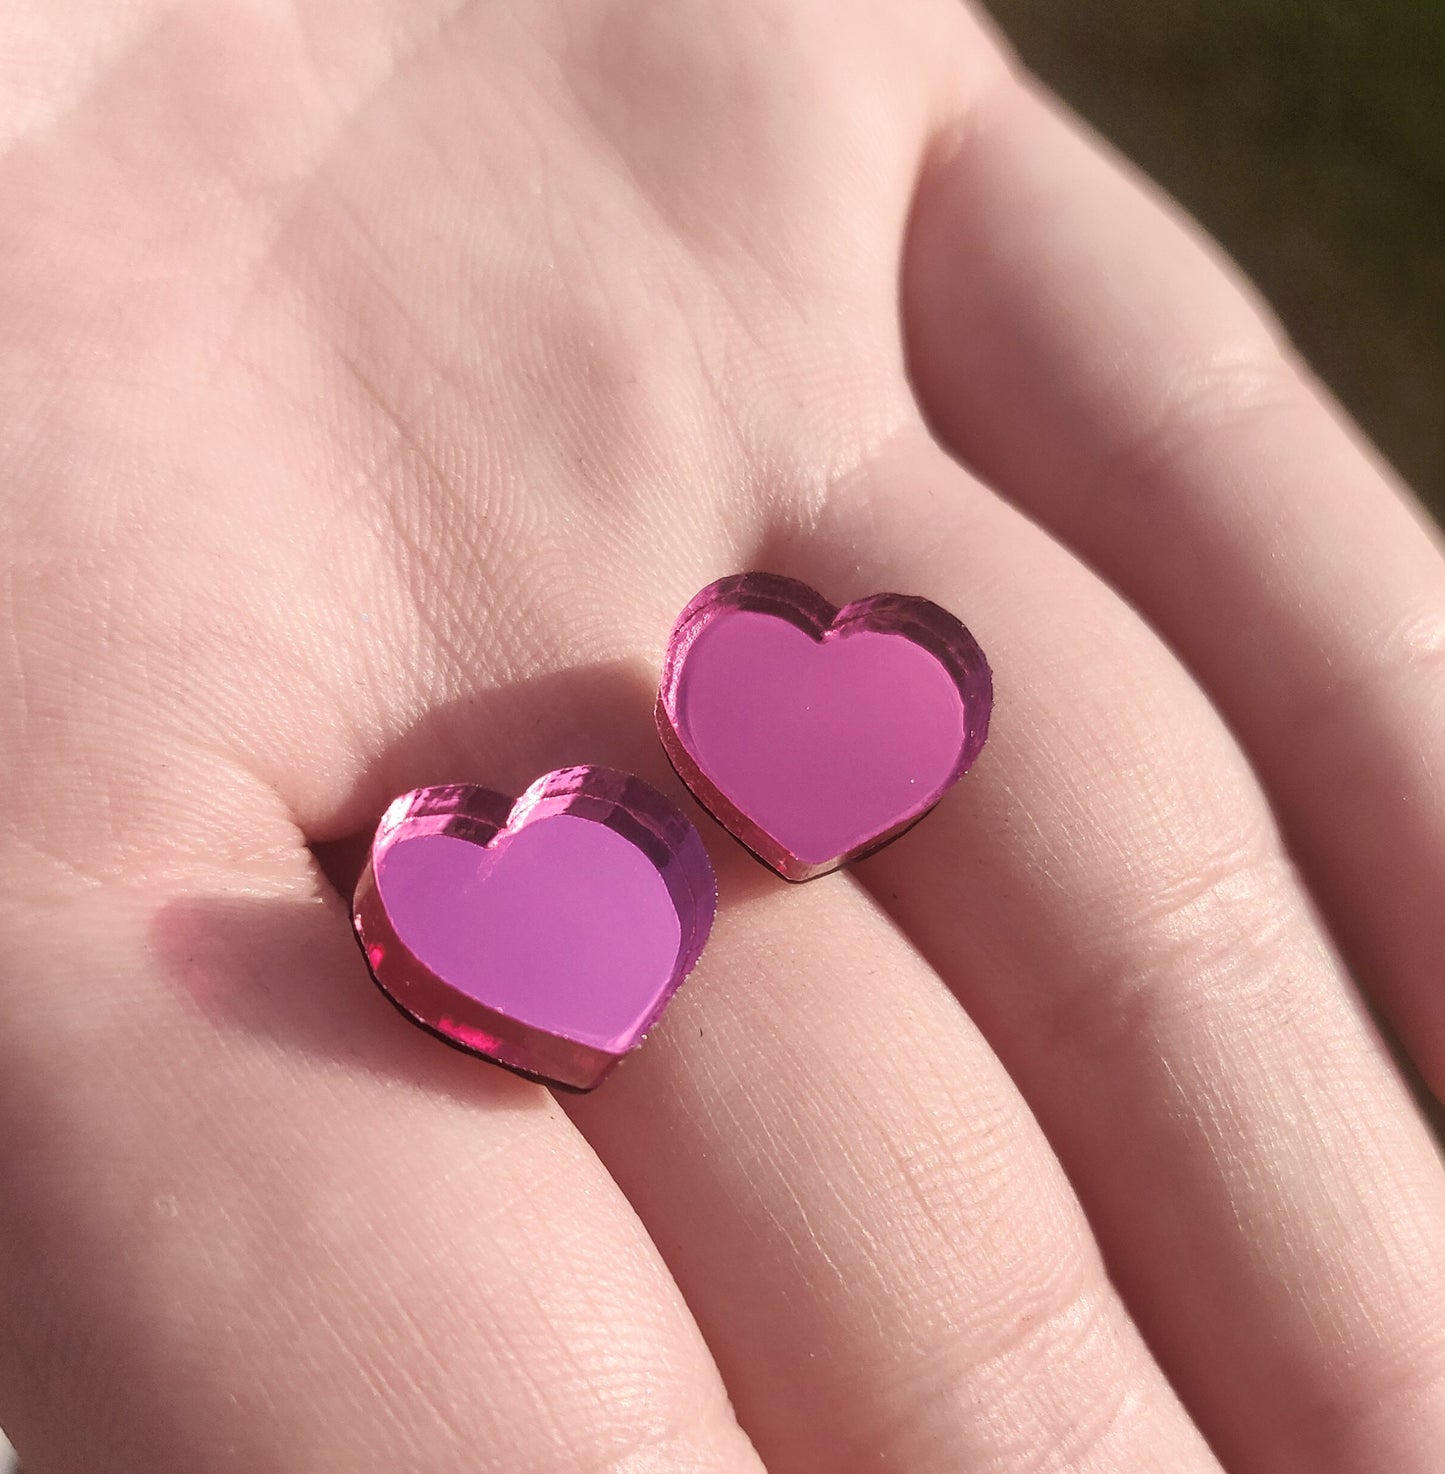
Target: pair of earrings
[{"x": 547, "y": 934}]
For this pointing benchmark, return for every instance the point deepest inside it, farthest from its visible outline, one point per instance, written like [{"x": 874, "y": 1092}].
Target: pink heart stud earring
[
  {"x": 546, "y": 935},
  {"x": 815, "y": 734}
]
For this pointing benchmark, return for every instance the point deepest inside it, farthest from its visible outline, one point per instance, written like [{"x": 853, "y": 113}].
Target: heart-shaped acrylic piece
[
  {"x": 546, "y": 934},
  {"x": 817, "y": 734}
]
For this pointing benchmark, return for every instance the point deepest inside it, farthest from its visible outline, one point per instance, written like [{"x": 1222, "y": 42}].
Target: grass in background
[{"x": 1309, "y": 136}]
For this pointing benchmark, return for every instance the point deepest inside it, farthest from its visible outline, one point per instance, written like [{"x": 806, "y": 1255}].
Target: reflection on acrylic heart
[
  {"x": 546, "y": 934},
  {"x": 817, "y": 734}
]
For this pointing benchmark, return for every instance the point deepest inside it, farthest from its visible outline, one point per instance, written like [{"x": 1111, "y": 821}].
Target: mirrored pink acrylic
[
  {"x": 546, "y": 934},
  {"x": 817, "y": 734}
]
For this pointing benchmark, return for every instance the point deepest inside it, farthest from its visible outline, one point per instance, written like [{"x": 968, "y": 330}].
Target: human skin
[{"x": 377, "y": 382}]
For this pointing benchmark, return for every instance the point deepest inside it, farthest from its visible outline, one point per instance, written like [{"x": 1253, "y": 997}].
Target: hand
[{"x": 379, "y": 381}]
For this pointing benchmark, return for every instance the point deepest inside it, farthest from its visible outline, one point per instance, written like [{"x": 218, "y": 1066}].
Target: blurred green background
[{"x": 1309, "y": 136}]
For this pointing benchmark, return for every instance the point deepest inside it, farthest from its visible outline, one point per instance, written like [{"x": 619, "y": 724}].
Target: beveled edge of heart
[
  {"x": 920, "y": 620},
  {"x": 621, "y": 801}
]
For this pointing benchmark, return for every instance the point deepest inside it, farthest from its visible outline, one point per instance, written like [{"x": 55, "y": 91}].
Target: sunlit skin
[{"x": 377, "y": 383}]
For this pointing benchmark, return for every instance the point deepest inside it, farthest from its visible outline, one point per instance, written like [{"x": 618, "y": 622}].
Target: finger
[
  {"x": 1079, "y": 346},
  {"x": 251, "y": 1221},
  {"x": 1107, "y": 897},
  {"x": 875, "y": 1238}
]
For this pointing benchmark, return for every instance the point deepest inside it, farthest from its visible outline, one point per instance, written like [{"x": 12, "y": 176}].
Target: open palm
[{"x": 377, "y": 381}]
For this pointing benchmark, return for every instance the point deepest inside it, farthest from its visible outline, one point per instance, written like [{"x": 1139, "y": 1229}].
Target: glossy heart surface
[
  {"x": 817, "y": 734},
  {"x": 546, "y": 935}
]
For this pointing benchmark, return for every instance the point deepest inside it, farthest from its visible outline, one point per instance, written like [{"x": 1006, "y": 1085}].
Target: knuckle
[
  {"x": 1407, "y": 660},
  {"x": 1211, "y": 934},
  {"x": 1040, "y": 1375},
  {"x": 1249, "y": 380},
  {"x": 1413, "y": 652}
]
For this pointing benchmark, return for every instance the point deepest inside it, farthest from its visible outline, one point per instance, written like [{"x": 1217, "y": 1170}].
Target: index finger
[{"x": 1081, "y": 347}]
